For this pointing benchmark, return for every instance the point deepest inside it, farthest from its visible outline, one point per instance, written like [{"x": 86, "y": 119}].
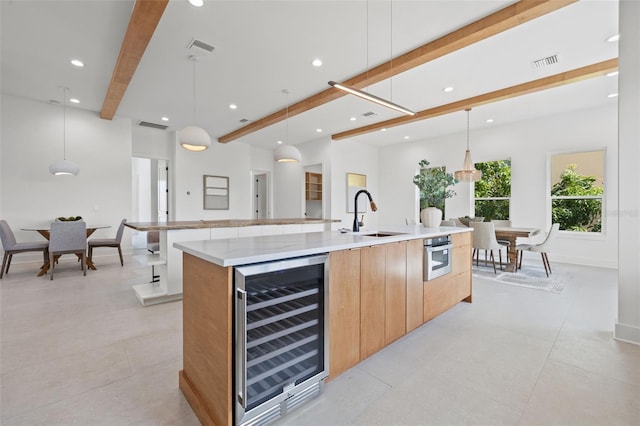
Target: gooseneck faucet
[{"x": 356, "y": 224}]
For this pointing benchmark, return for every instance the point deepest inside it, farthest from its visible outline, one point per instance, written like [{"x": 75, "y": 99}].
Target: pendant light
[
  {"x": 468, "y": 173},
  {"x": 194, "y": 138},
  {"x": 287, "y": 153},
  {"x": 64, "y": 166},
  {"x": 368, "y": 96}
]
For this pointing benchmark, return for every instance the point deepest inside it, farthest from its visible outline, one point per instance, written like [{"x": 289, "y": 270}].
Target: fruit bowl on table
[{"x": 69, "y": 219}]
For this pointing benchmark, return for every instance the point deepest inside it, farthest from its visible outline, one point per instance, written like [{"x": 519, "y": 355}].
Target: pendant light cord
[
  {"x": 64, "y": 123},
  {"x": 468, "y": 109},
  {"x": 391, "y": 47},
  {"x": 194, "y": 59}
]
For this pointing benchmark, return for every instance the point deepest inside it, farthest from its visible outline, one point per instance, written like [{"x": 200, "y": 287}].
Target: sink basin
[{"x": 383, "y": 234}]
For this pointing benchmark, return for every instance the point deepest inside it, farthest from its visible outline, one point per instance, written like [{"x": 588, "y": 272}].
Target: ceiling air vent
[
  {"x": 369, "y": 114},
  {"x": 244, "y": 120},
  {"x": 200, "y": 44},
  {"x": 152, "y": 125},
  {"x": 545, "y": 62}
]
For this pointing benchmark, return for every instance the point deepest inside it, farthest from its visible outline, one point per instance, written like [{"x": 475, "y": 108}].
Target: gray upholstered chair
[
  {"x": 68, "y": 238},
  {"x": 11, "y": 247},
  {"x": 108, "y": 242},
  {"x": 484, "y": 238},
  {"x": 542, "y": 248}
]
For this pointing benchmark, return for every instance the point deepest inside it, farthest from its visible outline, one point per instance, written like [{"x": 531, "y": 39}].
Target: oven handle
[
  {"x": 431, "y": 249},
  {"x": 242, "y": 350}
]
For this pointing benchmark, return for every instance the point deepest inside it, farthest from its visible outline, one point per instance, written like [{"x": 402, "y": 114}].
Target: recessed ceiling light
[
  {"x": 165, "y": 119},
  {"x": 612, "y": 95},
  {"x": 489, "y": 120},
  {"x": 613, "y": 38},
  {"x": 319, "y": 130},
  {"x": 279, "y": 142},
  {"x": 383, "y": 130},
  {"x": 448, "y": 89},
  {"x": 352, "y": 119},
  {"x": 406, "y": 137},
  {"x": 74, "y": 100},
  {"x": 612, "y": 73},
  {"x": 197, "y": 3},
  {"x": 317, "y": 63},
  {"x": 233, "y": 106},
  {"x": 77, "y": 62}
]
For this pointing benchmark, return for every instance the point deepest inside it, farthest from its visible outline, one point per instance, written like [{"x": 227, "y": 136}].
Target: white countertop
[{"x": 244, "y": 251}]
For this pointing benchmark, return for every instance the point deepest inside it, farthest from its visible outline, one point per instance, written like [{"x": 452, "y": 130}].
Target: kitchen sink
[{"x": 383, "y": 234}]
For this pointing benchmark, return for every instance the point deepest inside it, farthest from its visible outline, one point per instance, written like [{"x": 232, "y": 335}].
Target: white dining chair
[
  {"x": 484, "y": 238},
  {"x": 542, "y": 248}
]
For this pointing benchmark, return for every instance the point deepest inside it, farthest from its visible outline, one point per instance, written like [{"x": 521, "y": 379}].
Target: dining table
[
  {"x": 44, "y": 230},
  {"x": 510, "y": 233}
]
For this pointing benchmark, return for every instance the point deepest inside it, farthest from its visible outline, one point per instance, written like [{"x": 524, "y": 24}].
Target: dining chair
[
  {"x": 68, "y": 238},
  {"x": 542, "y": 248},
  {"x": 484, "y": 238},
  {"x": 109, "y": 242},
  {"x": 410, "y": 221},
  {"x": 504, "y": 224},
  {"x": 11, "y": 247}
]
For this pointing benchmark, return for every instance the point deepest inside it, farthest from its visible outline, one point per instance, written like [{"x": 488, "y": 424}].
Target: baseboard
[{"x": 627, "y": 333}]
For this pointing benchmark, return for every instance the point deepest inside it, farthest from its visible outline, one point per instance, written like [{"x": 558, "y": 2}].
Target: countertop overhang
[
  {"x": 224, "y": 223},
  {"x": 248, "y": 250}
]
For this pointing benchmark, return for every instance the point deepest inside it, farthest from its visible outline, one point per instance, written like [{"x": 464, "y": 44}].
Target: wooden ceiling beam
[
  {"x": 144, "y": 20},
  {"x": 568, "y": 77},
  {"x": 502, "y": 20}
]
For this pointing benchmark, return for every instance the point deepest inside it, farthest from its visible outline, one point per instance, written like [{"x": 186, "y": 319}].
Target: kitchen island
[
  {"x": 375, "y": 294},
  {"x": 168, "y": 286}
]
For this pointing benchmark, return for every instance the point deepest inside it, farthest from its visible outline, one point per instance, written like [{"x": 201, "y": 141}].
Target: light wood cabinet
[
  {"x": 395, "y": 291},
  {"x": 344, "y": 310},
  {"x": 313, "y": 186},
  {"x": 372, "y": 299},
  {"x": 415, "y": 286},
  {"x": 444, "y": 292}
]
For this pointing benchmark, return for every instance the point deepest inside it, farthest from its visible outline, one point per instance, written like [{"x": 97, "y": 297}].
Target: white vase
[{"x": 431, "y": 217}]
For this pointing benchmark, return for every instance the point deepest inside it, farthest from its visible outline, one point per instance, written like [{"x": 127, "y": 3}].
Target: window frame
[
  {"x": 494, "y": 198},
  {"x": 603, "y": 198}
]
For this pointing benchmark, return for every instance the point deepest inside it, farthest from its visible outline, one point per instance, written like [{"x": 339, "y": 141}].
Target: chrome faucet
[{"x": 356, "y": 224}]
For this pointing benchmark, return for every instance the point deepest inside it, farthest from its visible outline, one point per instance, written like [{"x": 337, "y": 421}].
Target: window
[
  {"x": 492, "y": 193},
  {"x": 577, "y": 190}
]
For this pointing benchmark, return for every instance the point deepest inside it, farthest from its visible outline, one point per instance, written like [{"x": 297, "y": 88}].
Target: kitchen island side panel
[{"x": 206, "y": 379}]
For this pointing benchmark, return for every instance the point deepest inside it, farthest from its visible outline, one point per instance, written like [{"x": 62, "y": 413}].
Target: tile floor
[{"x": 82, "y": 351}]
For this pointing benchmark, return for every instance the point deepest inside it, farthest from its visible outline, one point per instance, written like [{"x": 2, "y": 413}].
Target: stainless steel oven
[
  {"x": 437, "y": 257},
  {"x": 281, "y": 336}
]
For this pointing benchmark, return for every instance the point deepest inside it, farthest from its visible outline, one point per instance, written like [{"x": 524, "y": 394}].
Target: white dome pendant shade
[
  {"x": 468, "y": 173},
  {"x": 194, "y": 138},
  {"x": 287, "y": 154},
  {"x": 64, "y": 166}
]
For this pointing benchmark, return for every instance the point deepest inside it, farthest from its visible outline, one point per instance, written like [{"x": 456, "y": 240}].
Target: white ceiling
[{"x": 263, "y": 47}]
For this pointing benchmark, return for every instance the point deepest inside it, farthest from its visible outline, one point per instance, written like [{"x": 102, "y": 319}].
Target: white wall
[
  {"x": 32, "y": 139},
  {"x": 628, "y": 321},
  {"x": 350, "y": 157},
  {"x": 528, "y": 144},
  {"x": 232, "y": 160}
]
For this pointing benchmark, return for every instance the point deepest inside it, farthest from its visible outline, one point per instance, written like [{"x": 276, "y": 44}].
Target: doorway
[
  {"x": 260, "y": 194},
  {"x": 313, "y": 198},
  {"x": 150, "y": 195}
]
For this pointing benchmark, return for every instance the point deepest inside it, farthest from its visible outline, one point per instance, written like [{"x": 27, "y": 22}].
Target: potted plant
[{"x": 433, "y": 184}]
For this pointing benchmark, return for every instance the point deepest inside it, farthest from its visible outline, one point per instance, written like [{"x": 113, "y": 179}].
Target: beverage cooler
[{"x": 281, "y": 336}]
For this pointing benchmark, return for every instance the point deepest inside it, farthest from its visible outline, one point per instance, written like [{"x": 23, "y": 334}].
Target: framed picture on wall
[{"x": 215, "y": 192}]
